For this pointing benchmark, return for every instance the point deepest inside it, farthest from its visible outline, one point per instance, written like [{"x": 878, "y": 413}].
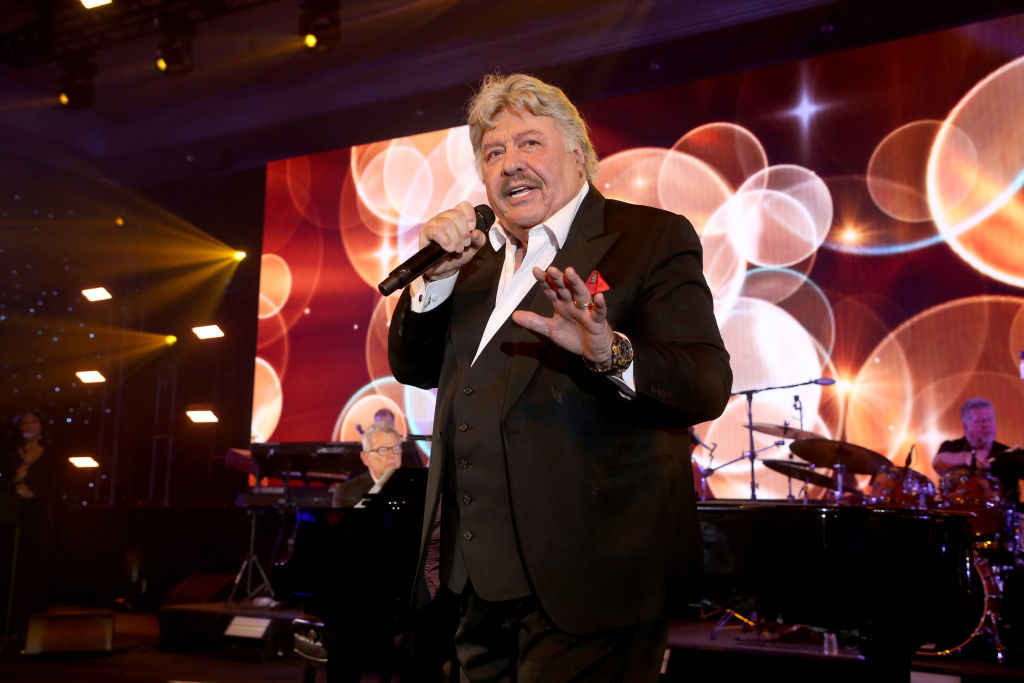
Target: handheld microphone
[
  {"x": 428, "y": 257},
  {"x": 910, "y": 456},
  {"x": 823, "y": 381}
]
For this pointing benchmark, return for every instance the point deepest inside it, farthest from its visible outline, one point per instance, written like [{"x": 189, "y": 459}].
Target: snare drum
[
  {"x": 976, "y": 491},
  {"x": 901, "y": 487}
]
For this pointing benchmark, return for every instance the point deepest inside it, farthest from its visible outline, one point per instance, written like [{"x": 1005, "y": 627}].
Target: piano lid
[{"x": 334, "y": 460}]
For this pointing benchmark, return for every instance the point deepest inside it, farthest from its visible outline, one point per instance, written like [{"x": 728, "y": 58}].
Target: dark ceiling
[{"x": 256, "y": 94}]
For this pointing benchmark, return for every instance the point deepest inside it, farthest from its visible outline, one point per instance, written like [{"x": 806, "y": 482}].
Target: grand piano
[
  {"x": 351, "y": 571},
  {"x": 893, "y": 581}
]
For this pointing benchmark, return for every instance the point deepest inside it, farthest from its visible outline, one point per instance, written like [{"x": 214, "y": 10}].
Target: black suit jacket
[{"x": 601, "y": 488}]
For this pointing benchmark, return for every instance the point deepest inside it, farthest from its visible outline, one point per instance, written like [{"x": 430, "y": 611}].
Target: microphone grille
[{"x": 484, "y": 217}]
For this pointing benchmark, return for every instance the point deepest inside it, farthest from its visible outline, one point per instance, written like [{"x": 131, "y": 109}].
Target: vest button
[
  {"x": 467, "y": 390},
  {"x": 463, "y": 427},
  {"x": 468, "y": 535},
  {"x": 467, "y": 499},
  {"x": 463, "y": 463}
]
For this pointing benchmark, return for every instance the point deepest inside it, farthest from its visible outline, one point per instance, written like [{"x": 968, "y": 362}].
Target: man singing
[{"x": 571, "y": 345}]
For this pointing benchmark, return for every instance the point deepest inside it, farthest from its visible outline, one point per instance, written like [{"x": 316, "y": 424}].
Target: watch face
[{"x": 622, "y": 353}]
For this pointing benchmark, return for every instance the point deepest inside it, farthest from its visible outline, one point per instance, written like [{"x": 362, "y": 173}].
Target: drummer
[{"x": 978, "y": 447}]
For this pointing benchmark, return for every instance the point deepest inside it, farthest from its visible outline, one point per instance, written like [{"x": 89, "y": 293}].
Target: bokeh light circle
[
  {"x": 924, "y": 369},
  {"x": 358, "y": 412},
  {"x": 767, "y": 228},
  {"x": 689, "y": 187},
  {"x": 860, "y": 227},
  {"x": 275, "y": 285},
  {"x": 802, "y": 185},
  {"x": 731, "y": 150},
  {"x": 898, "y": 167},
  {"x": 267, "y": 401},
  {"x": 769, "y": 348},
  {"x": 980, "y": 223},
  {"x": 631, "y": 175},
  {"x": 799, "y": 296}
]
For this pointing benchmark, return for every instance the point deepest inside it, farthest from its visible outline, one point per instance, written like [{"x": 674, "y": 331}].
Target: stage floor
[{"x": 736, "y": 653}]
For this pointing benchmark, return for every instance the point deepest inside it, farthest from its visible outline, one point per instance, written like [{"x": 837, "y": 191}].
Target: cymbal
[
  {"x": 804, "y": 474},
  {"x": 785, "y": 431},
  {"x": 827, "y": 453}
]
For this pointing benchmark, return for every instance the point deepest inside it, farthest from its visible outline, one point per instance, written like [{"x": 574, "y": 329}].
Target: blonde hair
[{"x": 526, "y": 93}]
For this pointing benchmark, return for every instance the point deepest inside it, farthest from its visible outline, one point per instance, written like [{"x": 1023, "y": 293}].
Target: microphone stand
[
  {"x": 799, "y": 407},
  {"x": 749, "y": 393}
]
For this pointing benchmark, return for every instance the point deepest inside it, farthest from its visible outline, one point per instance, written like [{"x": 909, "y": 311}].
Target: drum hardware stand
[
  {"x": 799, "y": 407},
  {"x": 705, "y": 473},
  {"x": 749, "y": 393},
  {"x": 746, "y": 455},
  {"x": 840, "y": 471}
]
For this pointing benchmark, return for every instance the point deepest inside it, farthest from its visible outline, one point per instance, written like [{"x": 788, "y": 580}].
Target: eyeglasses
[{"x": 384, "y": 450}]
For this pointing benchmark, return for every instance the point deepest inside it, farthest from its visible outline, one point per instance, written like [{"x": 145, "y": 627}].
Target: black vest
[{"x": 478, "y": 539}]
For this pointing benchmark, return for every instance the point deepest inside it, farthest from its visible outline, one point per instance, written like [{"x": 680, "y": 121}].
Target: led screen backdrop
[{"x": 862, "y": 219}]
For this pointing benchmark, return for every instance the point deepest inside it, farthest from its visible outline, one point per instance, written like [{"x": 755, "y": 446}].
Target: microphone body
[
  {"x": 428, "y": 257},
  {"x": 910, "y": 456}
]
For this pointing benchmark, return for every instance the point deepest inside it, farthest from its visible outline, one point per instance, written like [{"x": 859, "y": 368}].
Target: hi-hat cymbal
[
  {"x": 827, "y": 453},
  {"x": 804, "y": 474},
  {"x": 785, "y": 431}
]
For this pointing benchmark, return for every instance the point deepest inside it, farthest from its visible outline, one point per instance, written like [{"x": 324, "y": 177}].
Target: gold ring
[{"x": 587, "y": 306}]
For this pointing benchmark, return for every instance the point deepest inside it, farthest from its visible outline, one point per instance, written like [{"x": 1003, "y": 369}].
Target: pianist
[{"x": 382, "y": 450}]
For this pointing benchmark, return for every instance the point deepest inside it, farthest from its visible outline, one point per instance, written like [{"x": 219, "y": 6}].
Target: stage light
[
  {"x": 208, "y": 332},
  {"x": 93, "y": 4},
  {"x": 239, "y": 255},
  {"x": 90, "y": 376},
  {"x": 83, "y": 461},
  {"x": 174, "y": 55},
  {"x": 170, "y": 340},
  {"x": 201, "y": 414},
  {"x": 96, "y": 294},
  {"x": 76, "y": 81},
  {"x": 320, "y": 24}
]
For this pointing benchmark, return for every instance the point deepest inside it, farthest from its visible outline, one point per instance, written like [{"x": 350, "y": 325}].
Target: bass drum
[
  {"x": 968, "y": 490},
  {"x": 970, "y": 619}
]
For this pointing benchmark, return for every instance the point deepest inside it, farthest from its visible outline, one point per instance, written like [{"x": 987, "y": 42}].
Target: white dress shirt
[{"x": 543, "y": 243}]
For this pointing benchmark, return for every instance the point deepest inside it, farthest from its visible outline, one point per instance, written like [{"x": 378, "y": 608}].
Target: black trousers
[{"x": 514, "y": 640}]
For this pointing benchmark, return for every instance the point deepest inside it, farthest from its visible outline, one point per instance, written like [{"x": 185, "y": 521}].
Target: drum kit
[{"x": 997, "y": 526}]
